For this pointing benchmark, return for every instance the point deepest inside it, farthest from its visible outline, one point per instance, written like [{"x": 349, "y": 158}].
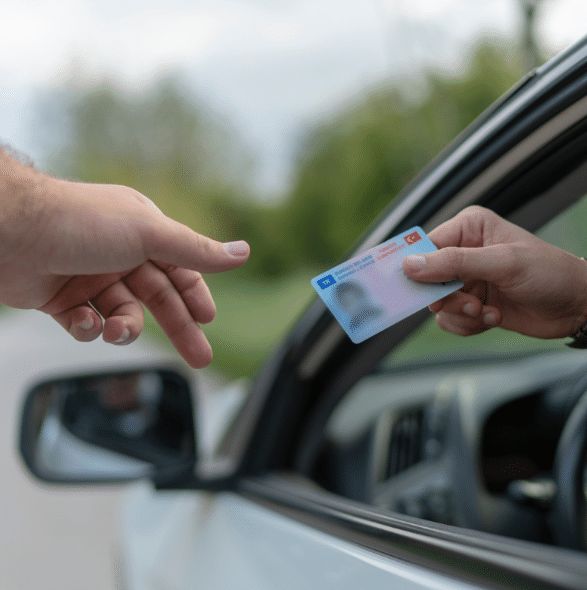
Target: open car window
[{"x": 449, "y": 429}]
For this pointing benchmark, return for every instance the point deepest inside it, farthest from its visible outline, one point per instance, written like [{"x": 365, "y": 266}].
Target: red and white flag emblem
[{"x": 412, "y": 238}]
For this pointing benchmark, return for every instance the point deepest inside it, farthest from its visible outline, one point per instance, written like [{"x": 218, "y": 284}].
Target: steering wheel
[{"x": 569, "y": 508}]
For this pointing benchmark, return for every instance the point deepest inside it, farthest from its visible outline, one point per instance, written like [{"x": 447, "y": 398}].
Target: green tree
[
  {"x": 161, "y": 142},
  {"x": 355, "y": 165}
]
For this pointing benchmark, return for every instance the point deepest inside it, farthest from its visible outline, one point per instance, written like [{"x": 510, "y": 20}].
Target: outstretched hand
[
  {"x": 90, "y": 255},
  {"x": 511, "y": 278}
]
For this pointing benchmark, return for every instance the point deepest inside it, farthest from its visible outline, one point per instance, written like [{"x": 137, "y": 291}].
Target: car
[{"x": 414, "y": 459}]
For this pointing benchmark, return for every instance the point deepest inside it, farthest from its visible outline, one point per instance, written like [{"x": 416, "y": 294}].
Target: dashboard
[{"x": 462, "y": 441}]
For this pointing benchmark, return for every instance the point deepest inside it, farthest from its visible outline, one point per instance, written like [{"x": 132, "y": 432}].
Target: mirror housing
[{"x": 111, "y": 427}]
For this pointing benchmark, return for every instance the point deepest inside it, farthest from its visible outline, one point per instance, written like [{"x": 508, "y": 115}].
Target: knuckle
[
  {"x": 159, "y": 297},
  {"x": 169, "y": 269},
  {"x": 477, "y": 213},
  {"x": 453, "y": 256},
  {"x": 204, "y": 245},
  {"x": 135, "y": 195},
  {"x": 513, "y": 256},
  {"x": 476, "y": 219},
  {"x": 458, "y": 325}
]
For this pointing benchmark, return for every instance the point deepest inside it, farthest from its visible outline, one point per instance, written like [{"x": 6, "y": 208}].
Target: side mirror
[{"x": 109, "y": 427}]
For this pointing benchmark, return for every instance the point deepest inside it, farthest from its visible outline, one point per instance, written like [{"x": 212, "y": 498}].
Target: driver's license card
[{"x": 371, "y": 292}]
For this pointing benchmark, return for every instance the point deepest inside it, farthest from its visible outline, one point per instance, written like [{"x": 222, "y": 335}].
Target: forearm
[{"x": 22, "y": 202}]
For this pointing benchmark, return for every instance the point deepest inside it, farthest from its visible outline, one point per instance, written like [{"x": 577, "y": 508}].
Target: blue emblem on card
[{"x": 326, "y": 282}]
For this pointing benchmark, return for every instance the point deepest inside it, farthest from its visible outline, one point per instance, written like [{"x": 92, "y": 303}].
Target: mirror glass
[{"x": 109, "y": 427}]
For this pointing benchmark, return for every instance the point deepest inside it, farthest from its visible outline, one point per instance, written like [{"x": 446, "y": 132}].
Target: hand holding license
[{"x": 371, "y": 292}]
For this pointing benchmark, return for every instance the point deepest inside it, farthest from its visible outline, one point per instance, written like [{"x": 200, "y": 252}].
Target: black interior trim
[{"x": 485, "y": 560}]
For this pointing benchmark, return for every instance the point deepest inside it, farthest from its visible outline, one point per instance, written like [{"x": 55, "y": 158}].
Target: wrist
[
  {"x": 579, "y": 331},
  {"x": 22, "y": 199}
]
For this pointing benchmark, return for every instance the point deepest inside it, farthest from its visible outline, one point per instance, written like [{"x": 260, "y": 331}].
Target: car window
[{"x": 445, "y": 427}]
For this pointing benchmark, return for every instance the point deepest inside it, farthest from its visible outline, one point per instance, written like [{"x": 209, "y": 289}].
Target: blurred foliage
[
  {"x": 194, "y": 167},
  {"x": 161, "y": 142},
  {"x": 354, "y": 166}
]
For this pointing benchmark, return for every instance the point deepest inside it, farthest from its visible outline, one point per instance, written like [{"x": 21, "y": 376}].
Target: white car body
[{"x": 179, "y": 541}]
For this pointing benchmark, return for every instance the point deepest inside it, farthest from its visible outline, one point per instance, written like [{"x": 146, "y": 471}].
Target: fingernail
[
  {"x": 489, "y": 319},
  {"x": 87, "y": 324},
  {"x": 415, "y": 263},
  {"x": 123, "y": 338},
  {"x": 469, "y": 309},
  {"x": 239, "y": 248}
]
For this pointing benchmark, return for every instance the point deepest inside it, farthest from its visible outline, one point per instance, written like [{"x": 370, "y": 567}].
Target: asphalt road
[{"x": 54, "y": 537}]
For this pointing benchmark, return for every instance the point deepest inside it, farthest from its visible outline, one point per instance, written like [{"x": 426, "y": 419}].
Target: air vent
[{"x": 406, "y": 443}]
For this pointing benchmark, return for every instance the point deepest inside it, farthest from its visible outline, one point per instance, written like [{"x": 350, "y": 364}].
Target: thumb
[
  {"x": 173, "y": 243},
  {"x": 466, "y": 264}
]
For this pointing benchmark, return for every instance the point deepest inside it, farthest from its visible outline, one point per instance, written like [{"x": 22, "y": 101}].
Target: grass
[{"x": 251, "y": 319}]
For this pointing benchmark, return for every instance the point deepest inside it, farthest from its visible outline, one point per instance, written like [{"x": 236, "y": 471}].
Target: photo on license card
[{"x": 371, "y": 292}]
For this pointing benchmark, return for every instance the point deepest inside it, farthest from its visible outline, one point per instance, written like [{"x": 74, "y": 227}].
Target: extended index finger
[{"x": 193, "y": 290}]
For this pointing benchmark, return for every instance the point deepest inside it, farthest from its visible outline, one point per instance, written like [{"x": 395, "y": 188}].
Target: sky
[{"x": 270, "y": 67}]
